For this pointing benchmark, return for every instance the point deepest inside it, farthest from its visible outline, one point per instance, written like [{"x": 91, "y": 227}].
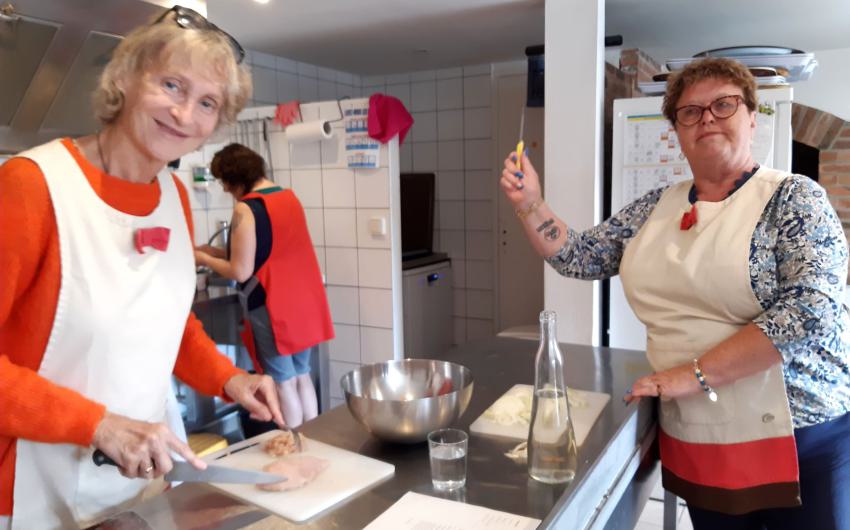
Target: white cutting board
[
  {"x": 348, "y": 474},
  {"x": 583, "y": 417}
]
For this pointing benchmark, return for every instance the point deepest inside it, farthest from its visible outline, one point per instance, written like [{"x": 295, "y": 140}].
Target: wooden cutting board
[
  {"x": 347, "y": 474},
  {"x": 583, "y": 417}
]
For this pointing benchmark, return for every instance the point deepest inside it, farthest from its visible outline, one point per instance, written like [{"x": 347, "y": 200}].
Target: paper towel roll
[{"x": 310, "y": 131}]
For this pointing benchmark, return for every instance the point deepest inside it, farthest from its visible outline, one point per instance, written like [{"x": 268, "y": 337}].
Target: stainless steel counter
[{"x": 615, "y": 473}]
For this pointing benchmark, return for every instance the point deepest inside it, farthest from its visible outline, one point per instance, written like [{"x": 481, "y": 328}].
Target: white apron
[
  {"x": 119, "y": 321},
  {"x": 691, "y": 288}
]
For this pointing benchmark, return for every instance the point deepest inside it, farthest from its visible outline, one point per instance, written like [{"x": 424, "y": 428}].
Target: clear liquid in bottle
[{"x": 552, "y": 451}]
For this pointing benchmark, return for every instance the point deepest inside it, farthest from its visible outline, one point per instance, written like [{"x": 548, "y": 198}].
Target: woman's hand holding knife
[
  {"x": 139, "y": 448},
  {"x": 546, "y": 232}
]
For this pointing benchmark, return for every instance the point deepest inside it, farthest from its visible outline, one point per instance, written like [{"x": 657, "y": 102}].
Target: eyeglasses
[
  {"x": 721, "y": 108},
  {"x": 190, "y": 19}
]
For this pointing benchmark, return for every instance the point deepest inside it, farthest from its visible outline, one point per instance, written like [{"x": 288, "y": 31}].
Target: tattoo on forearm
[
  {"x": 546, "y": 224},
  {"x": 552, "y": 233}
]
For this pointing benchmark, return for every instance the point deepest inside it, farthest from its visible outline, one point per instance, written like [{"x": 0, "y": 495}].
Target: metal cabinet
[{"x": 428, "y": 302}]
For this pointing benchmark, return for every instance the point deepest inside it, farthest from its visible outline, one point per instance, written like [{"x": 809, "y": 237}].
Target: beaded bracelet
[
  {"x": 712, "y": 395},
  {"x": 522, "y": 214}
]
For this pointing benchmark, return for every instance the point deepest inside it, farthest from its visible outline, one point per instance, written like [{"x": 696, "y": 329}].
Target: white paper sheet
[{"x": 415, "y": 511}]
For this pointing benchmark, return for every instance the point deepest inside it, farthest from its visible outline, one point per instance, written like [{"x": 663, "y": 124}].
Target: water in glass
[
  {"x": 448, "y": 467},
  {"x": 552, "y": 455}
]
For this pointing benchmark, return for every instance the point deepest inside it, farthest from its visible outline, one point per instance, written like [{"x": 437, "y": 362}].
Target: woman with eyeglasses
[
  {"x": 739, "y": 277},
  {"x": 98, "y": 275}
]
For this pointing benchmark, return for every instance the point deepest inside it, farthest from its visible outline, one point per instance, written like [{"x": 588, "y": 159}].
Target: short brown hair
[
  {"x": 238, "y": 166},
  {"x": 161, "y": 43},
  {"x": 709, "y": 68}
]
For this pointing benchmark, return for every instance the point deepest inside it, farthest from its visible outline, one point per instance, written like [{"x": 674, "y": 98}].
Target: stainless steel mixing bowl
[{"x": 391, "y": 399}]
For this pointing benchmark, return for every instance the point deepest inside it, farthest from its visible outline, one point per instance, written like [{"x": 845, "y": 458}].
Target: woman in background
[{"x": 281, "y": 289}]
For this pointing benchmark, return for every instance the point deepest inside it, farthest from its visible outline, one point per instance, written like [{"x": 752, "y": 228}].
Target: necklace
[{"x": 100, "y": 154}]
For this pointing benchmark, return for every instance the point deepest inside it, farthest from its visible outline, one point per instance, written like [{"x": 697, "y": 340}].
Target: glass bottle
[{"x": 552, "y": 452}]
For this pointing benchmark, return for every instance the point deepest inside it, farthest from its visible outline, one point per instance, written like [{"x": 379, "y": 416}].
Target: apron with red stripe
[
  {"x": 295, "y": 296},
  {"x": 691, "y": 288}
]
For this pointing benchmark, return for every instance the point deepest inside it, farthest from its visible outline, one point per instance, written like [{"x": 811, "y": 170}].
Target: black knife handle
[{"x": 99, "y": 458}]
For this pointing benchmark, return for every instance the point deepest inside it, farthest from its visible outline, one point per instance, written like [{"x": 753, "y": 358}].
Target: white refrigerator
[{"x": 646, "y": 155}]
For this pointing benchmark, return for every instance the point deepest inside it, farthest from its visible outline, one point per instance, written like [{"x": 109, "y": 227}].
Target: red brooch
[
  {"x": 689, "y": 218},
  {"x": 156, "y": 238}
]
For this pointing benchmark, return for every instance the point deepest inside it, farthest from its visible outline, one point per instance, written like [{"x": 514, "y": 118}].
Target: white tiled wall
[
  {"x": 277, "y": 80},
  {"x": 362, "y": 270},
  {"x": 453, "y": 137}
]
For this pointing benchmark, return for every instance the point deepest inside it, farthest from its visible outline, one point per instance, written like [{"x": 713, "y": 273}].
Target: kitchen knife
[{"x": 186, "y": 472}]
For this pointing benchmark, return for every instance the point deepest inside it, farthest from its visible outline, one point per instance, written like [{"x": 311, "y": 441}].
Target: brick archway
[{"x": 831, "y": 136}]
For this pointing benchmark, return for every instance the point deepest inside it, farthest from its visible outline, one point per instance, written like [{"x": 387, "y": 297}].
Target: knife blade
[{"x": 186, "y": 472}]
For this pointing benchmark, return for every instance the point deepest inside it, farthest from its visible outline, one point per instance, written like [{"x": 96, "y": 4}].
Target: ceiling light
[{"x": 262, "y": 1}]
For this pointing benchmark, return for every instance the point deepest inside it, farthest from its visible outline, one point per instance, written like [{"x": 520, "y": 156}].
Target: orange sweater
[{"x": 32, "y": 407}]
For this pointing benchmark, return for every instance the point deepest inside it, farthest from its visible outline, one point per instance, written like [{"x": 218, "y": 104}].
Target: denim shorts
[{"x": 279, "y": 367}]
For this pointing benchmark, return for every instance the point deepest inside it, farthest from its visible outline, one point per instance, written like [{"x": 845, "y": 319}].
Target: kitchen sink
[
  {"x": 217, "y": 280},
  {"x": 207, "y": 277}
]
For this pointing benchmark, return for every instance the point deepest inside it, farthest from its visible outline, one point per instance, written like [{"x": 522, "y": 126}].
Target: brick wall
[
  {"x": 639, "y": 64},
  {"x": 834, "y": 170},
  {"x": 831, "y": 136},
  {"x": 635, "y": 66},
  {"x": 814, "y": 127}
]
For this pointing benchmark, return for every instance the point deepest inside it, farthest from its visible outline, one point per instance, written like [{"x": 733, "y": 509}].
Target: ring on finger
[{"x": 149, "y": 469}]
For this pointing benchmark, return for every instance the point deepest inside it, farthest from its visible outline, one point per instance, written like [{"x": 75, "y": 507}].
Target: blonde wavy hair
[{"x": 166, "y": 43}]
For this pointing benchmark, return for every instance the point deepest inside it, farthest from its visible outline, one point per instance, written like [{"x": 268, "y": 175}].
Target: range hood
[{"x": 51, "y": 55}]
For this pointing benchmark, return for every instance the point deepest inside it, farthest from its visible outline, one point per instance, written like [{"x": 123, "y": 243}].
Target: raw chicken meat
[
  {"x": 299, "y": 470},
  {"x": 281, "y": 445}
]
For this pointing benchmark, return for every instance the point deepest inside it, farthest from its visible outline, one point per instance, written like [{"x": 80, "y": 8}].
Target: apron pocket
[{"x": 699, "y": 410}]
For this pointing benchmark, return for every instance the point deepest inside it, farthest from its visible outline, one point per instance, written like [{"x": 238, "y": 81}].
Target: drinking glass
[{"x": 447, "y": 450}]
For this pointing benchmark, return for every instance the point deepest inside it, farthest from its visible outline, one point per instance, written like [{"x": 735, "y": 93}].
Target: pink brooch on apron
[
  {"x": 156, "y": 238},
  {"x": 689, "y": 218}
]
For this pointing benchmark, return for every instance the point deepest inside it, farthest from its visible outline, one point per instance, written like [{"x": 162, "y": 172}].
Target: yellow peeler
[{"x": 520, "y": 146}]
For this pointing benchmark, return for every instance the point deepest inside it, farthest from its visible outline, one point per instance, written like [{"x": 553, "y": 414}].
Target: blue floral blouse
[{"x": 798, "y": 268}]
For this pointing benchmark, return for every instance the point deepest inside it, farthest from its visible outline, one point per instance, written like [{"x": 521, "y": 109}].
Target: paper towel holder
[
  {"x": 339, "y": 106},
  {"x": 314, "y": 130}
]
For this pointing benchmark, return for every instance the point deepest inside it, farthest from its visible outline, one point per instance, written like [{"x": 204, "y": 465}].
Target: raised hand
[{"x": 520, "y": 187}]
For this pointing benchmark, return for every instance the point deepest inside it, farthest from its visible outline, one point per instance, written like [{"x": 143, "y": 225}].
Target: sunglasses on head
[{"x": 190, "y": 19}]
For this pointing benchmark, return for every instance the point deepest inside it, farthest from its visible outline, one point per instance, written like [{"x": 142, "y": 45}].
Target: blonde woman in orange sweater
[{"x": 97, "y": 271}]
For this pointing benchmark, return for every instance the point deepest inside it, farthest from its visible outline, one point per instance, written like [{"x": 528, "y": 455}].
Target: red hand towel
[
  {"x": 287, "y": 113},
  {"x": 388, "y": 117}
]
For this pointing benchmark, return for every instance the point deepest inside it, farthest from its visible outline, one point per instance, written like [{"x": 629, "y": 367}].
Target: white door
[{"x": 520, "y": 288}]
